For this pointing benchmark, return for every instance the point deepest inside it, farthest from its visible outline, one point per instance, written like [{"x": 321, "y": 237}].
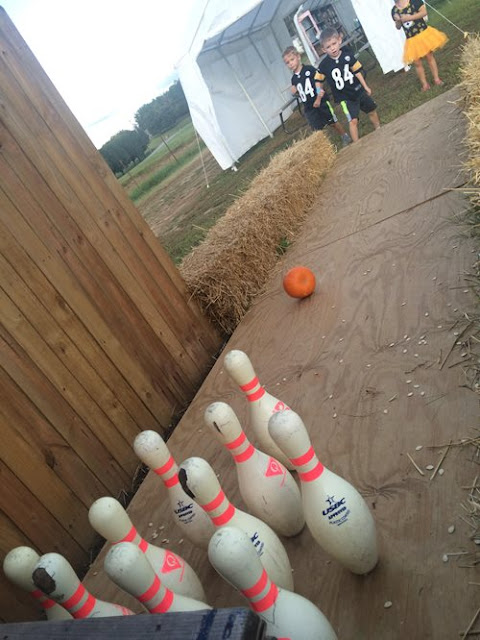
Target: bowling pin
[
  {"x": 130, "y": 569},
  {"x": 335, "y": 512},
  {"x": 110, "y": 520},
  {"x": 54, "y": 575},
  {"x": 18, "y": 566},
  {"x": 261, "y": 404},
  {"x": 287, "y": 614},
  {"x": 267, "y": 488},
  {"x": 200, "y": 482},
  {"x": 192, "y": 520}
]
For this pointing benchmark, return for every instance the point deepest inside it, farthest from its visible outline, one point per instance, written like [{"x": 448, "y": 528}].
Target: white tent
[
  {"x": 385, "y": 39},
  {"x": 233, "y": 75}
]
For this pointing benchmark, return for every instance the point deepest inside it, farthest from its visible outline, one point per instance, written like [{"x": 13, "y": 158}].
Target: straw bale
[
  {"x": 230, "y": 267},
  {"x": 470, "y": 71}
]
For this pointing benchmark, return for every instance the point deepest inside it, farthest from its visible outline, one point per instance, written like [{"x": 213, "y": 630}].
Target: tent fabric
[
  {"x": 233, "y": 75},
  {"x": 232, "y": 72},
  {"x": 385, "y": 39}
]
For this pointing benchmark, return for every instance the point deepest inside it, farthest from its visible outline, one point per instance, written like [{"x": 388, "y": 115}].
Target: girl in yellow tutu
[{"x": 421, "y": 41}]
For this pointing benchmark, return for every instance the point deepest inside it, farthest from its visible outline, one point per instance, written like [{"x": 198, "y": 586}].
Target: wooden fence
[{"x": 98, "y": 339}]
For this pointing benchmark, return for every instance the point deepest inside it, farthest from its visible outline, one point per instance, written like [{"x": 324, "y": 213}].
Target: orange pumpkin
[{"x": 299, "y": 282}]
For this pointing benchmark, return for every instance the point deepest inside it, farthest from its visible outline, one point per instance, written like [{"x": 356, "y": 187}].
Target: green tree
[
  {"x": 124, "y": 148},
  {"x": 163, "y": 112}
]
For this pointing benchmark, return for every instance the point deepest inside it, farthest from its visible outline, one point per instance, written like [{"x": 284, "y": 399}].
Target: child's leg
[
  {"x": 374, "y": 119},
  {"x": 353, "y": 126},
  {"x": 338, "y": 128},
  {"x": 421, "y": 74},
  {"x": 432, "y": 63},
  {"x": 342, "y": 133}
]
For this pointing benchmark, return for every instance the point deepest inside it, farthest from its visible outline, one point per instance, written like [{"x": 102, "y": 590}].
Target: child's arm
[
  {"x": 361, "y": 79},
  {"x": 397, "y": 20},
  {"x": 421, "y": 13},
  {"x": 293, "y": 89},
  {"x": 320, "y": 93}
]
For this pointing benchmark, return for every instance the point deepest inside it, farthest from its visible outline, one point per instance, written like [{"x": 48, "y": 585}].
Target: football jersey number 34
[{"x": 341, "y": 80}]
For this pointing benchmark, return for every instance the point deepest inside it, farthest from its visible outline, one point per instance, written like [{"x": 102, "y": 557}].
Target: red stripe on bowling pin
[
  {"x": 75, "y": 598},
  {"x": 151, "y": 591},
  {"x": 227, "y": 514},
  {"x": 130, "y": 537},
  {"x": 268, "y": 599},
  {"x": 313, "y": 474},
  {"x": 248, "y": 386},
  {"x": 225, "y": 517},
  {"x": 86, "y": 608},
  {"x": 237, "y": 442},
  {"x": 160, "y": 471},
  {"x": 171, "y": 482},
  {"x": 46, "y": 603},
  {"x": 298, "y": 462},
  {"x": 258, "y": 587},
  {"x": 244, "y": 455},
  {"x": 165, "y": 604},
  {"x": 256, "y": 395}
]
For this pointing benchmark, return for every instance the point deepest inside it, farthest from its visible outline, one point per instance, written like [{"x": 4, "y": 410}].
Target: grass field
[{"x": 172, "y": 194}]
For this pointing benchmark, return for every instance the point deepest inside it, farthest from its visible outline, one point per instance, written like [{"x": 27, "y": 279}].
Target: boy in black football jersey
[
  {"x": 318, "y": 111},
  {"x": 343, "y": 72}
]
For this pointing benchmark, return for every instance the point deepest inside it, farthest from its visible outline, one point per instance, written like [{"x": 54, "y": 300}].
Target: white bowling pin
[
  {"x": 267, "y": 488},
  {"x": 199, "y": 480},
  {"x": 54, "y": 575},
  {"x": 192, "y": 520},
  {"x": 261, "y": 404},
  {"x": 18, "y": 566},
  {"x": 287, "y": 614},
  {"x": 336, "y": 514},
  {"x": 130, "y": 569},
  {"x": 110, "y": 520}
]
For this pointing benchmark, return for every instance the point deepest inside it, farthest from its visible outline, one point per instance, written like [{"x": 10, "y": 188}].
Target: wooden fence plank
[
  {"x": 126, "y": 407},
  {"x": 69, "y": 289},
  {"x": 40, "y": 530},
  {"x": 67, "y": 445},
  {"x": 27, "y": 462},
  {"x": 18, "y": 325}
]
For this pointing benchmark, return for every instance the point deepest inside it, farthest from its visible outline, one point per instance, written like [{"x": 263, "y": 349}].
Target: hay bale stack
[
  {"x": 230, "y": 267},
  {"x": 471, "y": 89}
]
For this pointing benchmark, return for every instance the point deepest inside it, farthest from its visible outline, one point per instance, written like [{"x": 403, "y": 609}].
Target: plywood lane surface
[{"x": 371, "y": 363}]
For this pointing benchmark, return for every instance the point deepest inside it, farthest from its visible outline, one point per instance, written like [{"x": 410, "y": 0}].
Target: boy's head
[
  {"x": 292, "y": 59},
  {"x": 331, "y": 42}
]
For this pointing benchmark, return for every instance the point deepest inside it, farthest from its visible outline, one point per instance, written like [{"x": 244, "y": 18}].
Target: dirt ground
[{"x": 167, "y": 207}]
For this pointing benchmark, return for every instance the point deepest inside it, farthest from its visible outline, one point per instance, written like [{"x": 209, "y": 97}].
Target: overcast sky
[{"x": 106, "y": 57}]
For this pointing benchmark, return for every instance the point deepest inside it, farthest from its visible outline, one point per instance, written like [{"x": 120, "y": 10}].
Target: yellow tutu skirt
[{"x": 418, "y": 46}]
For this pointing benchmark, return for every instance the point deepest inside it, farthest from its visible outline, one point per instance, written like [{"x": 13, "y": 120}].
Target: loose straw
[
  {"x": 465, "y": 633},
  {"x": 415, "y": 464}
]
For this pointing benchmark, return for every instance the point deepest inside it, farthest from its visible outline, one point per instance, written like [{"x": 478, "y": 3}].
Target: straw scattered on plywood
[{"x": 231, "y": 266}]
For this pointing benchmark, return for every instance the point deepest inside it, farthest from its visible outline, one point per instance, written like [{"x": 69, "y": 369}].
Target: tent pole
[
  {"x": 201, "y": 159},
  {"x": 247, "y": 95}
]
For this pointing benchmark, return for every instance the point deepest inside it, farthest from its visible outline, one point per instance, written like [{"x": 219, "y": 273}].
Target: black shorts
[
  {"x": 352, "y": 108},
  {"x": 321, "y": 116}
]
